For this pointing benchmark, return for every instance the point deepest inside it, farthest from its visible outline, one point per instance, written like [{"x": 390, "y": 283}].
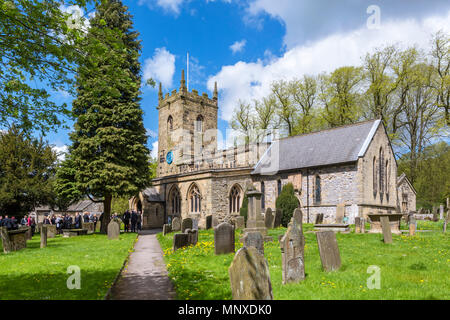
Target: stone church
[{"x": 352, "y": 165}]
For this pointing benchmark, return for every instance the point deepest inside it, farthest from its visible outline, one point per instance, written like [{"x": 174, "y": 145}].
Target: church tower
[{"x": 187, "y": 130}]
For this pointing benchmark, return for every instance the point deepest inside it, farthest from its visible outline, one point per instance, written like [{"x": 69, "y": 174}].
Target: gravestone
[
  {"x": 194, "y": 224},
  {"x": 255, "y": 219},
  {"x": 340, "y": 213},
  {"x": 386, "y": 228},
  {"x": 113, "y": 230},
  {"x": 6, "y": 242},
  {"x": 269, "y": 219},
  {"x": 328, "y": 250},
  {"x": 176, "y": 224},
  {"x": 44, "y": 230},
  {"x": 255, "y": 240},
  {"x": 319, "y": 218},
  {"x": 224, "y": 238},
  {"x": 363, "y": 225},
  {"x": 186, "y": 224},
  {"x": 298, "y": 216},
  {"x": 277, "y": 218},
  {"x": 412, "y": 226},
  {"x": 180, "y": 240},
  {"x": 249, "y": 276},
  {"x": 51, "y": 231},
  {"x": 192, "y": 236},
  {"x": 239, "y": 222},
  {"x": 89, "y": 226},
  {"x": 29, "y": 233},
  {"x": 358, "y": 221},
  {"x": 166, "y": 229},
  {"x": 292, "y": 253},
  {"x": 208, "y": 222}
]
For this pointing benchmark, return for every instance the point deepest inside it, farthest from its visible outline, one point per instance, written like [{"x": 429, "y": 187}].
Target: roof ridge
[{"x": 328, "y": 129}]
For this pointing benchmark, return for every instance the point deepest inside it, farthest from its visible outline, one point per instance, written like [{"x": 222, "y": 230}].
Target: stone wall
[{"x": 406, "y": 197}]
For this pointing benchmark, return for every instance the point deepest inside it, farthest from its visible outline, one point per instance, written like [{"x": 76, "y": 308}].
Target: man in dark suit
[
  {"x": 78, "y": 223},
  {"x": 134, "y": 219},
  {"x": 126, "y": 221},
  {"x": 86, "y": 217}
]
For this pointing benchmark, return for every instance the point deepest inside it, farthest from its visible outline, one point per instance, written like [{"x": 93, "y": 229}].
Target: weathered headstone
[
  {"x": 224, "y": 238},
  {"x": 328, "y": 250},
  {"x": 249, "y": 276},
  {"x": 239, "y": 222},
  {"x": 386, "y": 228},
  {"x": 208, "y": 222},
  {"x": 194, "y": 224},
  {"x": 269, "y": 219},
  {"x": 192, "y": 236},
  {"x": 44, "y": 230},
  {"x": 292, "y": 253},
  {"x": 6, "y": 242},
  {"x": 166, "y": 229},
  {"x": 29, "y": 233},
  {"x": 412, "y": 226},
  {"x": 298, "y": 216},
  {"x": 277, "y": 218},
  {"x": 180, "y": 240},
  {"x": 186, "y": 224},
  {"x": 89, "y": 226},
  {"x": 51, "y": 231},
  {"x": 176, "y": 224},
  {"x": 113, "y": 230},
  {"x": 340, "y": 213},
  {"x": 255, "y": 240}
]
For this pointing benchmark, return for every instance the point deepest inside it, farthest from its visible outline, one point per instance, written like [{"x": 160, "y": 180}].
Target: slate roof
[
  {"x": 152, "y": 195},
  {"x": 333, "y": 146}
]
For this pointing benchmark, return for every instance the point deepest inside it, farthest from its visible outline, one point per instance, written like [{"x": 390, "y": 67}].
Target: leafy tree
[
  {"x": 108, "y": 151},
  {"x": 26, "y": 167},
  {"x": 64, "y": 186},
  {"x": 38, "y": 53},
  {"x": 287, "y": 202}
]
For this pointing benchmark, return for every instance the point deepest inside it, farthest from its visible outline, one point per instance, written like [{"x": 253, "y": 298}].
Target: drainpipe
[{"x": 307, "y": 195}]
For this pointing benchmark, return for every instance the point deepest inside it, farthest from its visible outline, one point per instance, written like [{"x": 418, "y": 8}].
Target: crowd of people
[{"x": 132, "y": 221}]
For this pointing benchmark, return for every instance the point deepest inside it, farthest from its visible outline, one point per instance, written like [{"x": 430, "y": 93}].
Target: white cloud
[
  {"x": 152, "y": 134},
  {"x": 154, "y": 152},
  {"x": 238, "y": 46},
  {"x": 252, "y": 80},
  {"x": 161, "y": 67},
  {"x": 172, "y": 6},
  {"x": 61, "y": 151}
]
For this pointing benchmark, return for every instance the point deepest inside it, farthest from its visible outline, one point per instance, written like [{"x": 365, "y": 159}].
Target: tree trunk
[{"x": 106, "y": 214}]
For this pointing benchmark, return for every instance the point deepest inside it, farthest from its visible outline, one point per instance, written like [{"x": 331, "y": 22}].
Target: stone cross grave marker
[
  {"x": 249, "y": 276},
  {"x": 44, "y": 230},
  {"x": 113, "y": 230},
  {"x": 386, "y": 227},
  {"x": 224, "y": 238},
  {"x": 255, "y": 240},
  {"x": 180, "y": 240},
  {"x": 340, "y": 213},
  {"x": 186, "y": 224},
  {"x": 328, "y": 250},
  {"x": 292, "y": 253},
  {"x": 176, "y": 224},
  {"x": 269, "y": 219}
]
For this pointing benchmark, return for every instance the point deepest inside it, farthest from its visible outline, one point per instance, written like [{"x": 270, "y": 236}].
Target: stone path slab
[{"x": 145, "y": 277}]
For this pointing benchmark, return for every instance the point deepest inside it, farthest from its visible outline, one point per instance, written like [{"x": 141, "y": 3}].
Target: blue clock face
[{"x": 169, "y": 157}]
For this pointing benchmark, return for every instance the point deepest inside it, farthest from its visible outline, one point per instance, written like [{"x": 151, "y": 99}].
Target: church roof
[
  {"x": 402, "y": 178},
  {"x": 152, "y": 195},
  {"x": 333, "y": 146}
]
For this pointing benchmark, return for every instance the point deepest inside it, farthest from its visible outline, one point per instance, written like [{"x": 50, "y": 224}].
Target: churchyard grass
[
  {"x": 410, "y": 268},
  {"x": 35, "y": 273}
]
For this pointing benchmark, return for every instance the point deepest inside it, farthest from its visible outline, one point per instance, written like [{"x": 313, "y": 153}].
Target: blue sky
[{"x": 245, "y": 45}]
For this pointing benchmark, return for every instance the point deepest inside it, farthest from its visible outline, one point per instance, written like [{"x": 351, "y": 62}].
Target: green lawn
[
  {"x": 35, "y": 273},
  {"x": 411, "y": 268}
]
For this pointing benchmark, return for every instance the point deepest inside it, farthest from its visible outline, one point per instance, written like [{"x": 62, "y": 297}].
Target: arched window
[
  {"x": 263, "y": 198},
  {"x": 195, "y": 200},
  {"x": 175, "y": 202},
  {"x": 170, "y": 124},
  {"x": 381, "y": 172},
  {"x": 199, "y": 124},
  {"x": 374, "y": 176},
  {"x": 317, "y": 189},
  {"x": 235, "y": 199},
  {"x": 387, "y": 176},
  {"x": 279, "y": 187}
]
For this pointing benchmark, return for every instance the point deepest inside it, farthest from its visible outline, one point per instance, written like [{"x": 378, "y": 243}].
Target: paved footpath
[{"x": 145, "y": 277}]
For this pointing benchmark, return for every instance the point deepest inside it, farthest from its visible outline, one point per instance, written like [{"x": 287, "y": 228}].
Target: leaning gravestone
[
  {"x": 269, "y": 219},
  {"x": 412, "y": 226},
  {"x": 208, "y": 222},
  {"x": 44, "y": 230},
  {"x": 255, "y": 240},
  {"x": 292, "y": 253},
  {"x": 192, "y": 236},
  {"x": 166, "y": 229},
  {"x": 180, "y": 240},
  {"x": 224, "y": 238},
  {"x": 186, "y": 224},
  {"x": 113, "y": 230},
  {"x": 249, "y": 276},
  {"x": 176, "y": 224},
  {"x": 386, "y": 227},
  {"x": 328, "y": 250},
  {"x": 340, "y": 213},
  {"x": 277, "y": 218}
]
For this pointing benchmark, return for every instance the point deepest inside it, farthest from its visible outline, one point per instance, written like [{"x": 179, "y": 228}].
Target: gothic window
[
  {"x": 199, "y": 124},
  {"x": 235, "y": 199},
  {"x": 170, "y": 124},
  {"x": 374, "y": 176},
  {"x": 175, "y": 201},
  {"x": 279, "y": 186},
  {"x": 263, "y": 198},
  {"x": 387, "y": 175},
  {"x": 317, "y": 189},
  {"x": 195, "y": 200},
  {"x": 381, "y": 172}
]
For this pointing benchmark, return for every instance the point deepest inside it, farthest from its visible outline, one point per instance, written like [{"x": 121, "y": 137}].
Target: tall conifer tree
[{"x": 109, "y": 149}]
